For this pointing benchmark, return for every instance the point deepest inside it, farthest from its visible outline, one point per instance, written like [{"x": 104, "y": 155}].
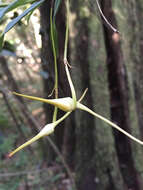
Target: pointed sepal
[
  {"x": 66, "y": 104},
  {"x": 47, "y": 130}
]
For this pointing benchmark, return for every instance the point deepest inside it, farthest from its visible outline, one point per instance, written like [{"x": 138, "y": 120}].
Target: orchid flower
[{"x": 67, "y": 104}]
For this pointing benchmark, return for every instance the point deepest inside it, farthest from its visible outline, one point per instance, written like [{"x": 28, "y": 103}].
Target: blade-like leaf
[
  {"x": 11, "y": 24},
  {"x": 12, "y": 6},
  {"x": 56, "y": 6},
  {"x": 1, "y": 41},
  {"x": 4, "y": 4},
  {"x": 55, "y": 35},
  {"x": 27, "y": 18}
]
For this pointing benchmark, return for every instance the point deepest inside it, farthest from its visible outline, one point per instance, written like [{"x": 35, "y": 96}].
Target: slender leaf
[
  {"x": 27, "y": 18},
  {"x": 12, "y": 6},
  {"x": 17, "y": 19},
  {"x": 1, "y": 41},
  {"x": 55, "y": 35},
  {"x": 56, "y": 6},
  {"x": 4, "y": 4},
  {"x": 11, "y": 24}
]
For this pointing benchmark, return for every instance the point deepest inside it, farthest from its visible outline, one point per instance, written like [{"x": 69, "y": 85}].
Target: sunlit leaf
[
  {"x": 12, "y": 23},
  {"x": 13, "y": 5},
  {"x": 27, "y": 18}
]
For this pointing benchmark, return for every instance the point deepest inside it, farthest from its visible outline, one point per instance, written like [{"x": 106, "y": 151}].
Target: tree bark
[
  {"x": 104, "y": 159},
  {"x": 123, "y": 110},
  {"x": 136, "y": 48},
  {"x": 96, "y": 159}
]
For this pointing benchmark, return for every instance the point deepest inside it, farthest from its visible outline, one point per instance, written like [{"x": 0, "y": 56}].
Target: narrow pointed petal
[
  {"x": 48, "y": 129},
  {"x": 84, "y": 108},
  {"x": 25, "y": 144},
  {"x": 65, "y": 104}
]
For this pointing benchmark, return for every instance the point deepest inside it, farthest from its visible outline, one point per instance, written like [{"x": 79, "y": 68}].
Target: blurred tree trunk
[
  {"x": 135, "y": 16},
  {"x": 28, "y": 117},
  {"x": 123, "y": 104},
  {"x": 96, "y": 158},
  {"x": 139, "y": 91}
]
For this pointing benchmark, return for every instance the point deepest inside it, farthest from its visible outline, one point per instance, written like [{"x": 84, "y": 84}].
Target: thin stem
[
  {"x": 62, "y": 118},
  {"x": 55, "y": 64},
  {"x": 83, "y": 95},
  {"x": 71, "y": 85},
  {"x": 82, "y": 107},
  {"x": 65, "y": 55},
  {"x": 67, "y": 32},
  {"x": 57, "y": 151},
  {"x": 105, "y": 19}
]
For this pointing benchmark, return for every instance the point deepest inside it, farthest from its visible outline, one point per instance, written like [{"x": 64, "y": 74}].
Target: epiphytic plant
[{"x": 66, "y": 104}]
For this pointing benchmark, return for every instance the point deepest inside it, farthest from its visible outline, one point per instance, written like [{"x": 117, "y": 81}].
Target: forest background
[{"x": 84, "y": 153}]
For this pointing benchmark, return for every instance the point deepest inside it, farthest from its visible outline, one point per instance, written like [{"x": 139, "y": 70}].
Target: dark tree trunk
[
  {"x": 96, "y": 158},
  {"x": 136, "y": 50},
  {"x": 120, "y": 101}
]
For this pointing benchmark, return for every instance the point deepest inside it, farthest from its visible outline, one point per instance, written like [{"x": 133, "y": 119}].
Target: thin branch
[
  {"x": 105, "y": 19},
  {"x": 55, "y": 63},
  {"x": 14, "y": 174}
]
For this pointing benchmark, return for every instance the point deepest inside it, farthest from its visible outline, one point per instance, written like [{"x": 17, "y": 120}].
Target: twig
[
  {"x": 105, "y": 19},
  {"x": 14, "y": 174}
]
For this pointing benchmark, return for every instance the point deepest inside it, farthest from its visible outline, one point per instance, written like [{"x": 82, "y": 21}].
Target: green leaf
[
  {"x": 56, "y": 6},
  {"x": 1, "y": 41},
  {"x": 12, "y": 23},
  {"x": 4, "y": 4},
  {"x": 27, "y": 18},
  {"x": 13, "y": 5},
  {"x": 17, "y": 19},
  {"x": 55, "y": 35}
]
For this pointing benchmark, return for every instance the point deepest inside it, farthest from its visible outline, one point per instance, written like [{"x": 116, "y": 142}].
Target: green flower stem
[
  {"x": 83, "y": 95},
  {"x": 55, "y": 64},
  {"x": 71, "y": 85},
  {"x": 65, "y": 56},
  {"x": 67, "y": 31},
  {"x": 84, "y": 108},
  {"x": 62, "y": 118}
]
